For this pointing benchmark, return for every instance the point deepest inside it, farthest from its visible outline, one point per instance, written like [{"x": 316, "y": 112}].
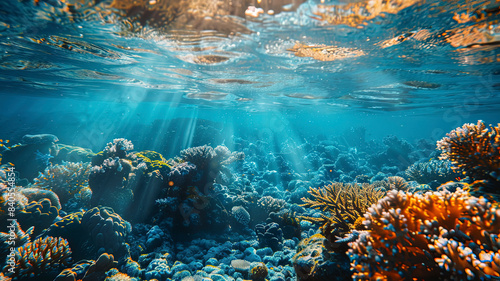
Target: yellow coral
[
  {"x": 422, "y": 236},
  {"x": 345, "y": 203}
]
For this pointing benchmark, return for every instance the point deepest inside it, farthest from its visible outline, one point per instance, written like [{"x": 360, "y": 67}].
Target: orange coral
[
  {"x": 38, "y": 258},
  {"x": 422, "y": 236},
  {"x": 473, "y": 150}
]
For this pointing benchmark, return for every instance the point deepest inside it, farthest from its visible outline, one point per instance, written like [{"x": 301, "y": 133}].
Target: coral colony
[{"x": 215, "y": 214}]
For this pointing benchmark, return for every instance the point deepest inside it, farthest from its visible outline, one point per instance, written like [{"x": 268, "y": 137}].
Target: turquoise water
[{"x": 286, "y": 82}]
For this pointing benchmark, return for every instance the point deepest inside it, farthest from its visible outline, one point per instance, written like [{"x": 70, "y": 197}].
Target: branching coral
[
  {"x": 413, "y": 236},
  {"x": 199, "y": 156},
  {"x": 118, "y": 148},
  {"x": 39, "y": 257},
  {"x": 346, "y": 204},
  {"x": 14, "y": 236},
  {"x": 473, "y": 150}
]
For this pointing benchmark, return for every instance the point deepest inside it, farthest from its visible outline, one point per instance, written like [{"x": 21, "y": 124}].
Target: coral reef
[
  {"x": 390, "y": 183},
  {"x": 41, "y": 257},
  {"x": 345, "y": 203},
  {"x": 39, "y": 214},
  {"x": 111, "y": 177},
  {"x": 474, "y": 150},
  {"x": 211, "y": 214},
  {"x": 107, "y": 229},
  {"x": 316, "y": 261},
  {"x": 66, "y": 179},
  {"x": 97, "y": 230},
  {"x": 432, "y": 170},
  {"x": 154, "y": 160},
  {"x": 241, "y": 215},
  {"x": 447, "y": 234},
  {"x": 210, "y": 162},
  {"x": 15, "y": 236}
]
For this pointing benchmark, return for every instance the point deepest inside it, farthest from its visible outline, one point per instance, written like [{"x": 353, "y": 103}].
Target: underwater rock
[
  {"x": 88, "y": 270},
  {"x": 70, "y": 153},
  {"x": 39, "y": 139},
  {"x": 315, "y": 261},
  {"x": 270, "y": 235},
  {"x": 33, "y": 155},
  {"x": 258, "y": 271},
  {"x": 154, "y": 237}
]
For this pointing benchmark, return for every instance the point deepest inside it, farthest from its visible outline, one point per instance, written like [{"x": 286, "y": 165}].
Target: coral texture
[
  {"x": 450, "y": 235},
  {"x": 433, "y": 170},
  {"x": 474, "y": 150},
  {"x": 315, "y": 260},
  {"x": 39, "y": 257},
  {"x": 65, "y": 179},
  {"x": 346, "y": 204}
]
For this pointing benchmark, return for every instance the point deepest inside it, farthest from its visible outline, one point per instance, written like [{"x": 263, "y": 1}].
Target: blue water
[
  {"x": 89, "y": 72},
  {"x": 86, "y": 67}
]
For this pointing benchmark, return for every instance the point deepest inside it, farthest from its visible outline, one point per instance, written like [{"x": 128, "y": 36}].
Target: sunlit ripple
[{"x": 384, "y": 60}]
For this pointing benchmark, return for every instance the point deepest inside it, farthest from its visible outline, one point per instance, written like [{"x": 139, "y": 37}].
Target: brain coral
[
  {"x": 107, "y": 229},
  {"x": 241, "y": 215}
]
